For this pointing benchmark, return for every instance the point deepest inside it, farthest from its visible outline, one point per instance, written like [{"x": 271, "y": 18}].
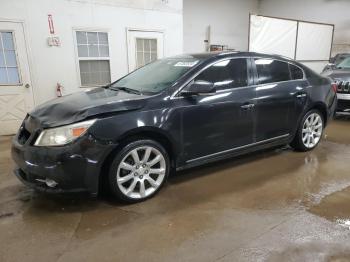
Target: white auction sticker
[{"x": 186, "y": 64}]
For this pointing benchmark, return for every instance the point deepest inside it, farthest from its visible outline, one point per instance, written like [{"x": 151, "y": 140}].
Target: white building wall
[
  {"x": 50, "y": 65},
  {"x": 228, "y": 19},
  {"x": 334, "y": 12}
]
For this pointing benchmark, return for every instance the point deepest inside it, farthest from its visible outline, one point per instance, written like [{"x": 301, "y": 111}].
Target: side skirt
[{"x": 283, "y": 140}]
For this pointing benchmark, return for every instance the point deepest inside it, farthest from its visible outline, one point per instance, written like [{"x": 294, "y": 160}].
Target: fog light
[{"x": 48, "y": 182}]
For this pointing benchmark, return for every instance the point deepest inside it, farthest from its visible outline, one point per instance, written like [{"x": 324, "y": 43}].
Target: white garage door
[
  {"x": 16, "y": 97},
  {"x": 307, "y": 42}
]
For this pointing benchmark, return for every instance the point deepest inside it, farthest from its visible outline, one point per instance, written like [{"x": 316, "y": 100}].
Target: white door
[
  {"x": 16, "y": 97},
  {"x": 144, "y": 47}
]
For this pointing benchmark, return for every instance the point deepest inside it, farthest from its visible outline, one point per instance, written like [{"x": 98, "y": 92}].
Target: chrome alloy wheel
[
  {"x": 312, "y": 130},
  {"x": 141, "y": 172}
]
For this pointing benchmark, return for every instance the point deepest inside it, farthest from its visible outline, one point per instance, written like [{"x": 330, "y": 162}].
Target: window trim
[
  {"x": 20, "y": 83},
  {"x": 256, "y": 76},
  {"x": 177, "y": 93},
  {"x": 77, "y": 58}
]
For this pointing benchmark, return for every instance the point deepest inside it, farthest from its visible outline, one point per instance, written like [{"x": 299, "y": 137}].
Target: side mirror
[{"x": 199, "y": 87}]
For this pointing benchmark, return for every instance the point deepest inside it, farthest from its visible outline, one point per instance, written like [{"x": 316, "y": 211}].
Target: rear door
[
  {"x": 280, "y": 97},
  {"x": 16, "y": 97}
]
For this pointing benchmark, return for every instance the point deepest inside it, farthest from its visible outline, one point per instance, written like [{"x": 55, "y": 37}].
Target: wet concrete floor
[{"x": 276, "y": 205}]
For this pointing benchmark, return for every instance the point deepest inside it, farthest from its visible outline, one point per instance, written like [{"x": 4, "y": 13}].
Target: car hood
[
  {"x": 81, "y": 105},
  {"x": 338, "y": 74}
]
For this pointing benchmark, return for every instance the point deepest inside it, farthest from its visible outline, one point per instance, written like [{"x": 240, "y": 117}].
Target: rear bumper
[{"x": 333, "y": 109}]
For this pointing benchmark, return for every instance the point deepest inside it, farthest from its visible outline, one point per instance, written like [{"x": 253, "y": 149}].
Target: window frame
[
  {"x": 100, "y": 58},
  {"x": 177, "y": 93},
  {"x": 256, "y": 75},
  {"x": 20, "y": 82}
]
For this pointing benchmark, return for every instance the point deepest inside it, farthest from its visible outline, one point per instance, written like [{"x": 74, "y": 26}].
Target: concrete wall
[
  {"x": 228, "y": 19},
  {"x": 327, "y": 11},
  {"x": 50, "y": 65}
]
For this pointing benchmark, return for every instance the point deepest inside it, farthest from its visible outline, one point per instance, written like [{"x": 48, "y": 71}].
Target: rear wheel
[
  {"x": 309, "y": 132},
  {"x": 139, "y": 171}
]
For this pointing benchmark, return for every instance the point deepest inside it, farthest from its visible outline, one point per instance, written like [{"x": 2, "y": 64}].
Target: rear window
[
  {"x": 270, "y": 71},
  {"x": 296, "y": 72}
]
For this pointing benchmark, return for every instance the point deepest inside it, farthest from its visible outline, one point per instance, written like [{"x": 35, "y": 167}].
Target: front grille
[
  {"x": 343, "y": 105},
  {"x": 23, "y": 135},
  {"x": 343, "y": 87}
]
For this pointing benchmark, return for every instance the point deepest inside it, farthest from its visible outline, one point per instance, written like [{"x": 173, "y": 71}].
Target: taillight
[{"x": 335, "y": 87}]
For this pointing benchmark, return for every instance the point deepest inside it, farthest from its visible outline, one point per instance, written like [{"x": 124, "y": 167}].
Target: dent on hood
[{"x": 79, "y": 106}]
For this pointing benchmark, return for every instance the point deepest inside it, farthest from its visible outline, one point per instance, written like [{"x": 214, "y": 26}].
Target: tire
[
  {"x": 138, "y": 171},
  {"x": 309, "y": 132}
]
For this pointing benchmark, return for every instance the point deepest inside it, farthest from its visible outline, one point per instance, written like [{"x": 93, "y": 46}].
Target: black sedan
[{"x": 172, "y": 114}]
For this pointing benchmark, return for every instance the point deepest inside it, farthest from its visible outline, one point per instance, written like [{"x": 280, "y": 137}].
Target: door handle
[
  {"x": 301, "y": 95},
  {"x": 247, "y": 106}
]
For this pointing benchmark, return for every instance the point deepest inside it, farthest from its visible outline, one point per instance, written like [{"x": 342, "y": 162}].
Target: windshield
[
  {"x": 156, "y": 76},
  {"x": 340, "y": 58},
  {"x": 344, "y": 64}
]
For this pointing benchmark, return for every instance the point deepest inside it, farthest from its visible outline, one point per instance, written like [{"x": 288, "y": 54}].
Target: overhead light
[
  {"x": 222, "y": 63},
  {"x": 263, "y": 61}
]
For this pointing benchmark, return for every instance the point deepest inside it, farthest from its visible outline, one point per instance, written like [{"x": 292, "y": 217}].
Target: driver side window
[{"x": 226, "y": 74}]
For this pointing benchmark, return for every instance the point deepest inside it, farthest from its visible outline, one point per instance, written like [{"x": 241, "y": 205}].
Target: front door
[
  {"x": 143, "y": 48},
  {"x": 224, "y": 121},
  {"x": 16, "y": 97}
]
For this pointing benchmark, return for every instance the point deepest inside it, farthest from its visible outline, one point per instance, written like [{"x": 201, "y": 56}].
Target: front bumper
[
  {"x": 343, "y": 102},
  {"x": 75, "y": 167},
  {"x": 30, "y": 181}
]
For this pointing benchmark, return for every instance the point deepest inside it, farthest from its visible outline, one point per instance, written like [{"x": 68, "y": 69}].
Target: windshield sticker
[{"x": 186, "y": 64}]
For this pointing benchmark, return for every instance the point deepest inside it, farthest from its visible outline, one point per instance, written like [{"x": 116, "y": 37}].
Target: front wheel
[
  {"x": 139, "y": 171},
  {"x": 309, "y": 132}
]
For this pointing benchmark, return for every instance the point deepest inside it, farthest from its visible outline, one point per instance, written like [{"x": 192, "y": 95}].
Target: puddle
[
  {"x": 335, "y": 207},
  {"x": 335, "y": 132},
  {"x": 313, "y": 251}
]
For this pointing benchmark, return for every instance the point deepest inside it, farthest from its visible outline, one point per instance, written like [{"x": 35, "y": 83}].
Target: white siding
[
  {"x": 229, "y": 21},
  {"x": 50, "y": 65}
]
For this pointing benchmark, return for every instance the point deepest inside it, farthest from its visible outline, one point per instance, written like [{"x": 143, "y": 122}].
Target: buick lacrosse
[{"x": 171, "y": 114}]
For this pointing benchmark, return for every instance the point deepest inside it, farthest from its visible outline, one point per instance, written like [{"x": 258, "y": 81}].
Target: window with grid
[
  {"x": 146, "y": 51},
  {"x": 93, "y": 55},
  {"x": 9, "y": 74}
]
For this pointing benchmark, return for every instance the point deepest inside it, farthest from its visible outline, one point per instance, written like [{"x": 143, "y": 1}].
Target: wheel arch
[
  {"x": 323, "y": 110},
  {"x": 152, "y": 133}
]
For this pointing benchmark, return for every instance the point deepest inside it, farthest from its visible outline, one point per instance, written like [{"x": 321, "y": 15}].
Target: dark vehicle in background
[
  {"x": 334, "y": 61},
  {"x": 340, "y": 74},
  {"x": 171, "y": 114}
]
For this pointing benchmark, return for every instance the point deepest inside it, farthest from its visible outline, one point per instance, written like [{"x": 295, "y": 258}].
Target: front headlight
[{"x": 59, "y": 136}]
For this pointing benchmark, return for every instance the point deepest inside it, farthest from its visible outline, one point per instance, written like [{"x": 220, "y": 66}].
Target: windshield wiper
[
  {"x": 107, "y": 86},
  {"x": 126, "y": 89}
]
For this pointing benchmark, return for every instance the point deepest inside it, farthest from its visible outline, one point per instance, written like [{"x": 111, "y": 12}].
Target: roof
[{"x": 204, "y": 56}]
